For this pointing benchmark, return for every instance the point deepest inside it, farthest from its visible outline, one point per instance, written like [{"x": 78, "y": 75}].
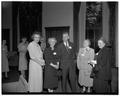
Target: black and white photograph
[{"x": 64, "y": 47}]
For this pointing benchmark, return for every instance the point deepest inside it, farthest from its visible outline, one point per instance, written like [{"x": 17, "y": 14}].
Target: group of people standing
[
  {"x": 45, "y": 66},
  {"x": 95, "y": 69},
  {"x": 62, "y": 57},
  {"x": 52, "y": 59}
]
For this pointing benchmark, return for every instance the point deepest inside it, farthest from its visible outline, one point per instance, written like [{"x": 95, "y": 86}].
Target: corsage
[{"x": 54, "y": 53}]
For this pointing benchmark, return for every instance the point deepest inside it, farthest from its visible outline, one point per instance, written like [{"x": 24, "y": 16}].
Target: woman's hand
[
  {"x": 92, "y": 62},
  {"x": 42, "y": 63},
  {"x": 55, "y": 66}
]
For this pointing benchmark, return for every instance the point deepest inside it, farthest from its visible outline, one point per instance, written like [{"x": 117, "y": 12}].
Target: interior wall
[{"x": 57, "y": 14}]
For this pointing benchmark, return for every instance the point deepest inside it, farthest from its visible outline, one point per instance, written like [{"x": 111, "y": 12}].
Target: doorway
[
  {"x": 56, "y": 32},
  {"x": 6, "y": 36}
]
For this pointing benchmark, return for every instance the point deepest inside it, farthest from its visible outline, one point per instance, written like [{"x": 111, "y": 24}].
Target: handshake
[{"x": 92, "y": 62}]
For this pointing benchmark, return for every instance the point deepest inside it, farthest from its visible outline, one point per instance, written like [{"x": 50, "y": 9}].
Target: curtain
[
  {"x": 105, "y": 20},
  {"x": 82, "y": 23}
]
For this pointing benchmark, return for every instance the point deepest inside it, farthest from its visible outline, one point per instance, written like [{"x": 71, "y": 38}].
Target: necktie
[{"x": 66, "y": 45}]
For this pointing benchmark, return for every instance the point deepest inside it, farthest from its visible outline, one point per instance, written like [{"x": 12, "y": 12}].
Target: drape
[
  {"x": 105, "y": 20},
  {"x": 82, "y": 23}
]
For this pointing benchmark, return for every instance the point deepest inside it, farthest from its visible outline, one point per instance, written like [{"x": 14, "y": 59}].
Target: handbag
[{"x": 93, "y": 73}]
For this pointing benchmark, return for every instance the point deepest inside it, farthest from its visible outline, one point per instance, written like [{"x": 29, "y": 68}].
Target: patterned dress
[{"x": 84, "y": 68}]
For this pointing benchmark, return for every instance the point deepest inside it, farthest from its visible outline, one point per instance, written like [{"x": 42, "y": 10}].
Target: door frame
[{"x": 55, "y": 28}]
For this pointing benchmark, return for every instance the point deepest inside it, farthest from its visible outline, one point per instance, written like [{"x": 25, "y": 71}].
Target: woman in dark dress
[
  {"x": 51, "y": 67},
  {"x": 101, "y": 82}
]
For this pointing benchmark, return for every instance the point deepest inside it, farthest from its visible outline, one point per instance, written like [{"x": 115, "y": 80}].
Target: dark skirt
[
  {"x": 50, "y": 77},
  {"x": 101, "y": 86}
]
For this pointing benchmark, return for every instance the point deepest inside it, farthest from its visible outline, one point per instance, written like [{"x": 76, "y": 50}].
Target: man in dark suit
[{"x": 66, "y": 54}]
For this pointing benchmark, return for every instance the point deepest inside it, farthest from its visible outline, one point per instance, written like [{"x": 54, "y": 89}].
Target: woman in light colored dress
[
  {"x": 22, "y": 48},
  {"x": 85, "y": 55},
  {"x": 36, "y": 63},
  {"x": 5, "y": 65}
]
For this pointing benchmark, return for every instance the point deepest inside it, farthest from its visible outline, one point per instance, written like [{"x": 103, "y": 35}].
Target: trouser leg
[
  {"x": 72, "y": 77},
  {"x": 64, "y": 79}
]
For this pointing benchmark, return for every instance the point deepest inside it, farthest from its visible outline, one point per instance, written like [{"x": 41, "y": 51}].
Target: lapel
[
  {"x": 101, "y": 50},
  {"x": 100, "y": 54},
  {"x": 65, "y": 48}
]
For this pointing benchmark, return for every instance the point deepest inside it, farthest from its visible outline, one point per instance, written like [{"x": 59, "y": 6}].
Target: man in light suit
[{"x": 66, "y": 54}]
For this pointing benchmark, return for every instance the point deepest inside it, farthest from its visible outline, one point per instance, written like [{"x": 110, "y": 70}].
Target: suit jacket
[
  {"x": 66, "y": 55},
  {"x": 103, "y": 66}
]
